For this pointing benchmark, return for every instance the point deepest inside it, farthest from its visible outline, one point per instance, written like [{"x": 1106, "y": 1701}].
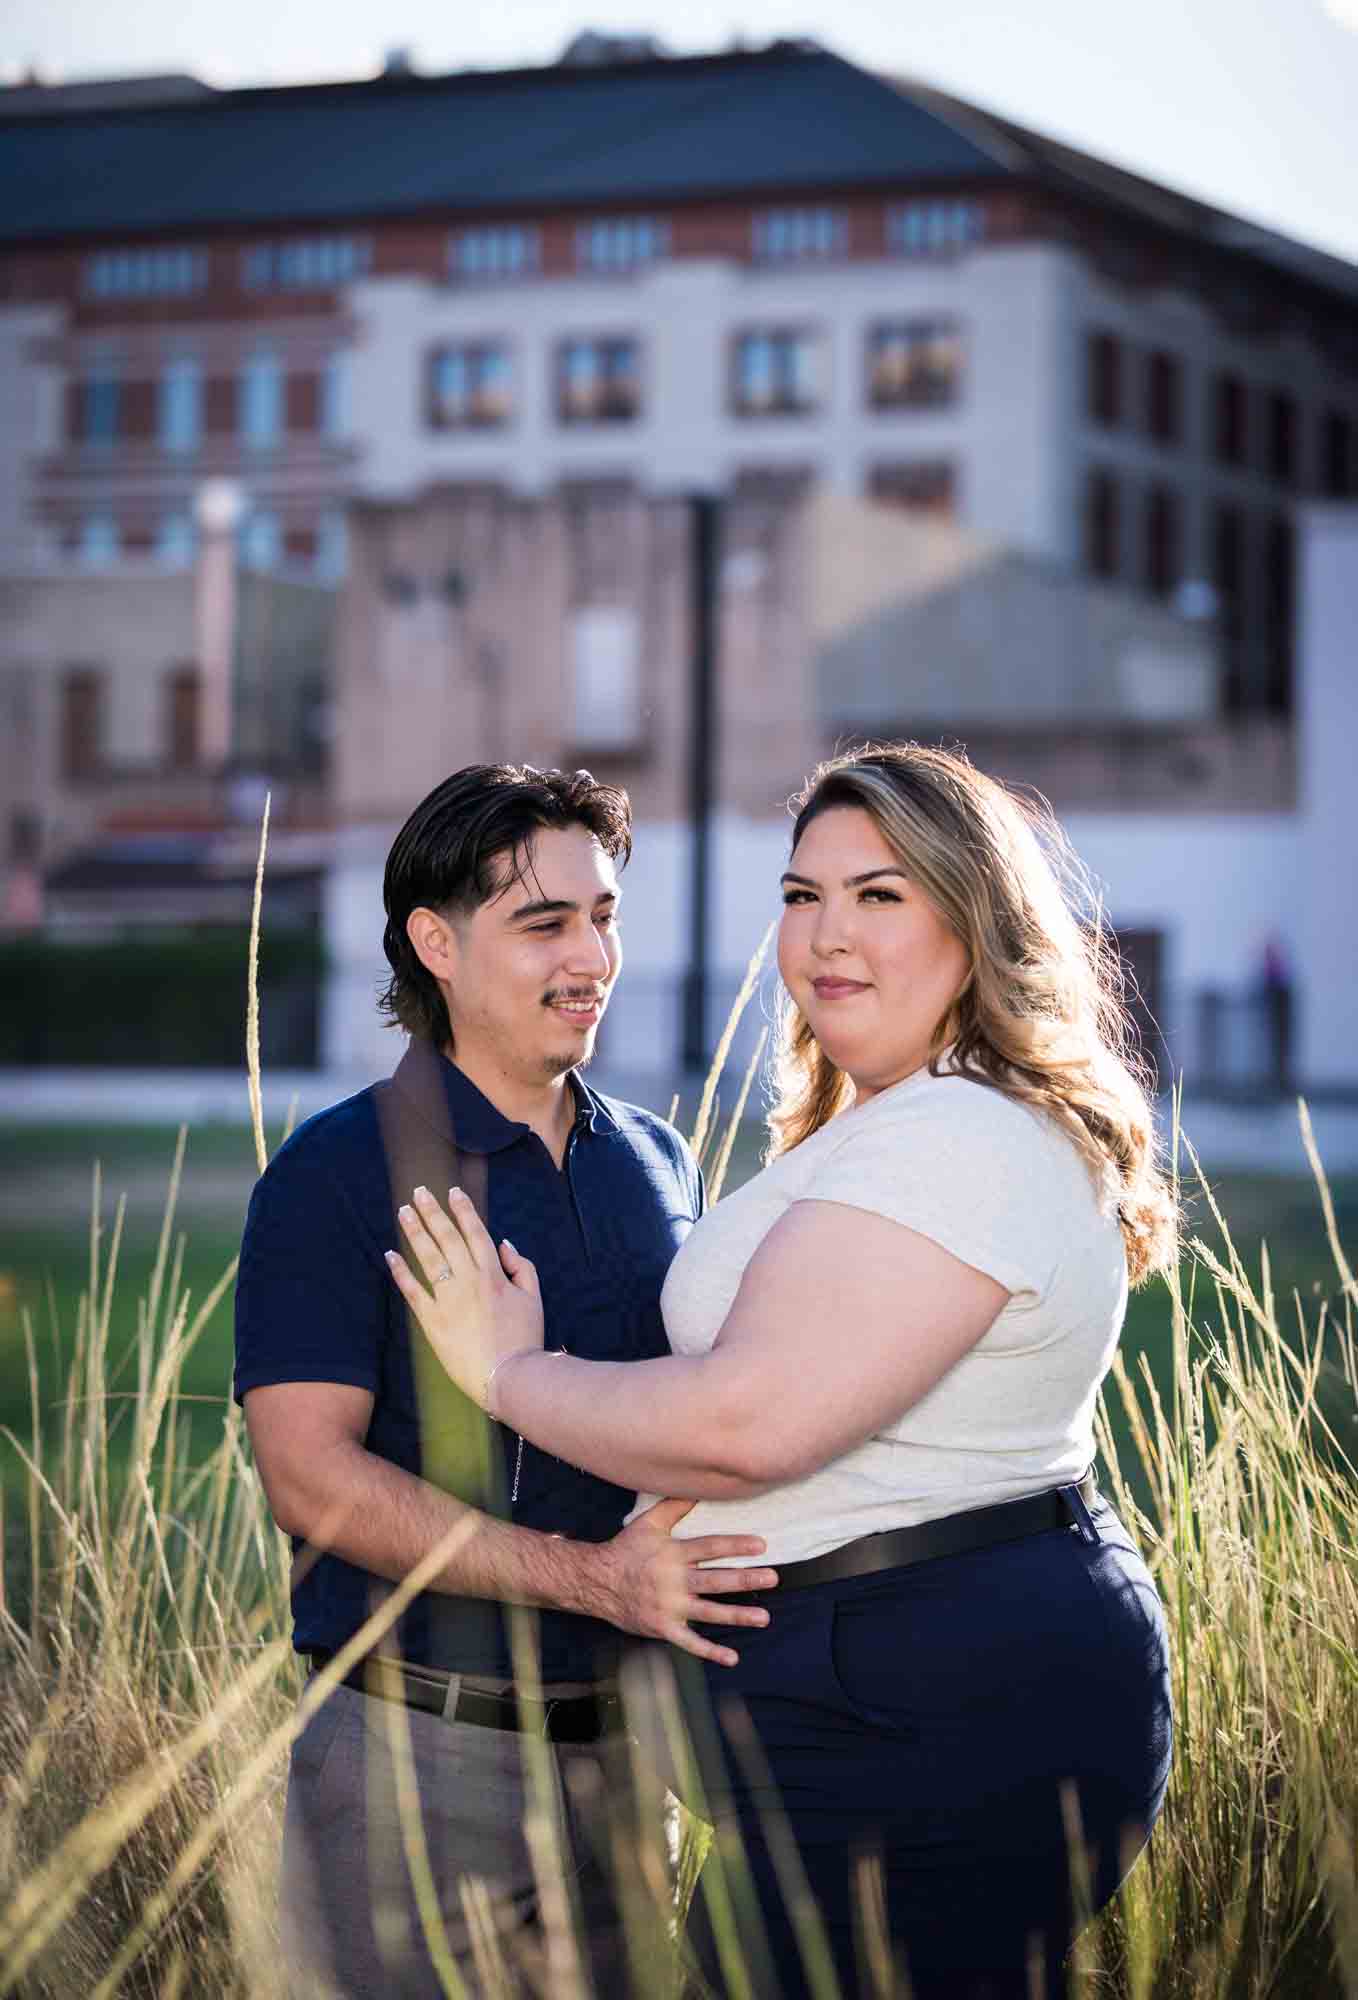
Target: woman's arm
[{"x": 844, "y": 1320}]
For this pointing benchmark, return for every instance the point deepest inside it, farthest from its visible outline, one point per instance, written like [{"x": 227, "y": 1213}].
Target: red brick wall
[
  {"x": 303, "y": 397},
  {"x": 219, "y": 405},
  {"x": 137, "y": 410}
]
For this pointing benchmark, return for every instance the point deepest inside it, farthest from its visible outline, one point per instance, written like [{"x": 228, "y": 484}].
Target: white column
[{"x": 214, "y": 615}]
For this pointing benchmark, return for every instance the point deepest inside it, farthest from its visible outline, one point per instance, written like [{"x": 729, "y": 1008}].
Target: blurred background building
[{"x": 687, "y": 418}]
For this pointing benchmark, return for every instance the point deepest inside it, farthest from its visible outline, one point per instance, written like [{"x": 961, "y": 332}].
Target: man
[{"x": 501, "y": 897}]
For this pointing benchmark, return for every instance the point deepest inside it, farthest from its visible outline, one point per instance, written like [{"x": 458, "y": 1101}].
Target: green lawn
[{"x": 45, "y": 1192}]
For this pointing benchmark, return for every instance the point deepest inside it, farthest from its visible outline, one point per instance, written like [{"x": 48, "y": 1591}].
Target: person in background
[{"x": 887, "y": 1351}]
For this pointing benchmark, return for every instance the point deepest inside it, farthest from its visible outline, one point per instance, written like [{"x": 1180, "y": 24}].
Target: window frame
[
  {"x": 1105, "y": 385},
  {"x": 281, "y": 263},
  {"x": 785, "y": 220},
  {"x": 1230, "y": 430},
  {"x": 494, "y": 271},
  {"x": 780, "y": 336},
  {"x": 926, "y": 242},
  {"x": 949, "y": 327},
  {"x": 633, "y": 259},
  {"x": 605, "y": 342},
  {"x": 480, "y": 347},
  {"x": 1164, "y": 397},
  {"x": 264, "y": 364},
  {"x": 939, "y": 473}
]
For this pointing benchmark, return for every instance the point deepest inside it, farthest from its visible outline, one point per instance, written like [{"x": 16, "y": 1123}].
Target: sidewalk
[{"x": 1262, "y": 1138}]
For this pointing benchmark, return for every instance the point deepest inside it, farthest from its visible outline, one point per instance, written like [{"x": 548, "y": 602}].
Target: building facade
[{"x": 1008, "y": 446}]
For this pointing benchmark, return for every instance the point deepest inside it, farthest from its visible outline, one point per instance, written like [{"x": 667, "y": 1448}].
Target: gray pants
[{"x": 351, "y": 1921}]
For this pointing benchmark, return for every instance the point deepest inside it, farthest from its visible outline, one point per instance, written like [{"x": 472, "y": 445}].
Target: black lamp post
[{"x": 704, "y": 556}]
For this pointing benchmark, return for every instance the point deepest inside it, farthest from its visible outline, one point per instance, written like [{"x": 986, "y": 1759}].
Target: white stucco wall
[
  {"x": 1325, "y": 890},
  {"x": 1008, "y": 434}
]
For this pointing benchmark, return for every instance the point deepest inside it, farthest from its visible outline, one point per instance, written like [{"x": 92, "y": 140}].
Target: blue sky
[{"x": 1247, "y": 103}]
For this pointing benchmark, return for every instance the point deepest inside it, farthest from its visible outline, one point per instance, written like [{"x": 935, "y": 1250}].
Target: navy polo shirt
[{"x": 315, "y": 1302}]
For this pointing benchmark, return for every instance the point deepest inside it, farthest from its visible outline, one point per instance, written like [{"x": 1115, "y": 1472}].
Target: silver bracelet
[{"x": 513, "y": 1355}]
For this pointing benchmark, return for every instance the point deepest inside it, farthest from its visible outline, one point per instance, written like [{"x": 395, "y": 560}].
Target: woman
[{"x": 888, "y": 1347}]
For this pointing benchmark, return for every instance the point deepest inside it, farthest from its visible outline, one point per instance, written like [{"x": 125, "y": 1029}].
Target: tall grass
[{"x": 150, "y": 1693}]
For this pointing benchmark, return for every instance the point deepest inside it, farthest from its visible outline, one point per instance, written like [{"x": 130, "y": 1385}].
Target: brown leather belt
[
  {"x": 580, "y": 1718},
  {"x": 950, "y": 1535}
]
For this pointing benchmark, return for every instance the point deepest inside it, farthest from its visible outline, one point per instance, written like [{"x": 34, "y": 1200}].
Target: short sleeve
[
  {"x": 971, "y": 1184},
  {"x": 311, "y": 1291}
]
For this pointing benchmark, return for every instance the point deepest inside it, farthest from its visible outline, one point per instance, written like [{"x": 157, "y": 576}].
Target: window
[
  {"x": 182, "y": 713},
  {"x": 1228, "y": 580},
  {"x": 510, "y": 250},
  {"x": 1336, "y": 456},
  {"x": 470, "y": 385},
  {"x": 622, "y": 244},
  {"x": 598, "y": 381},
  {"x": 606, "y": 663},
  {"x": 99, "y": 540},
  {"x": 914, "y": 365},
  {"x": 261, "y": 403},
  {"x": 776, "y": 373},
  {"x": 305, "y": 263},
  {"x": 794, "y": 235},
  {"x": 336, "y": 397},
  {"x": 920, "y": 486},
  {"x": 261, "y": 540},
  {"x": 1229, "y": 420},
  {"x": 1282, "y": 438},
  {"x": 177, "y": 541},
  {"x": 332, "y": 545},
  {"x": 1162, "y": 541},
  {"x": 145, "y": 274},
  {"x": 1103, "y": 524},
  {"x": 82, "y": 723},
  {"x": 180, "y": 406},
  {"x": 1103, "y": 355},
  {"x": 1163, "y": 397},
  {"x": 934, "y": 228},
  {"x": 101, "y": 408}
]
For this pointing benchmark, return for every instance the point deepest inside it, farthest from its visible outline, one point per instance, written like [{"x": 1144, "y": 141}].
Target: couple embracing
[{"x": 906, "y": 1624}]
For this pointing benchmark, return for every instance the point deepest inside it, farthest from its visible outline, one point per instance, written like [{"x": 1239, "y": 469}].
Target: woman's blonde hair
[{"x": 1040, "y": 1014}]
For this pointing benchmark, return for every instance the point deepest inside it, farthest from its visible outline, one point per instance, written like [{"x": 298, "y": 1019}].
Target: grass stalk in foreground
[{"x": 152, "y": 1696}]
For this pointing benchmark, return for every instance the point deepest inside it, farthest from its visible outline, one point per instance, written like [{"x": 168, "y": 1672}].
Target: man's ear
[{"x": 434, "y": 941}]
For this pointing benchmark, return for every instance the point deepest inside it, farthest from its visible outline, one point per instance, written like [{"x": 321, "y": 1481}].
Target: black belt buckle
[{"x": 582, "y": 1718}]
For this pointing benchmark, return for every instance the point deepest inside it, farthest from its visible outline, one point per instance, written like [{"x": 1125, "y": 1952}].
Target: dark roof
[
  {"x": 774, "y": 121},
  {"x": 662, "y": 130},
  {"x": 1067, "y": 170},
  {"x": 32, "y": 99}
]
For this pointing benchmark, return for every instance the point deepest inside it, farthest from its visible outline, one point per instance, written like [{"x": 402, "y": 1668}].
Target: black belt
[
  {"x": 582, "y": 1718},
  {"x": 950, "y": 1535}
]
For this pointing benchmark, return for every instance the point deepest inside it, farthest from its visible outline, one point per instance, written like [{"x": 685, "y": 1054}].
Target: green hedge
[{"x": 152, "y": 998}]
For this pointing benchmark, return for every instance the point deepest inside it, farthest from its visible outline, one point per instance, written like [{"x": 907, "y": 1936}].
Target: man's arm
[{"x": 325, "y": 1487}]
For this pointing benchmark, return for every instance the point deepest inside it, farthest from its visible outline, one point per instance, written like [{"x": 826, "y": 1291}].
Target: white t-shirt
[{"x": 1004, "y": 1190}]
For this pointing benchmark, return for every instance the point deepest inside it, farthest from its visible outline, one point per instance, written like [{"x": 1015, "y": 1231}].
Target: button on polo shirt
[{"x": 315, "y": 1302}]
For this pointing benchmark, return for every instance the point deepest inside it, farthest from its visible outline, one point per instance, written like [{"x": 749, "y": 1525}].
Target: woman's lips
[{"x": 837, "y": 989}]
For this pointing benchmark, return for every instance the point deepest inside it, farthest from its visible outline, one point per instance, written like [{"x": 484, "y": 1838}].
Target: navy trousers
[{"x": 939, "y": 1730}]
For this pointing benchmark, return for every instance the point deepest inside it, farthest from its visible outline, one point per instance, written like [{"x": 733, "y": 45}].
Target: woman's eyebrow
[{"x": 850, "y": 881}]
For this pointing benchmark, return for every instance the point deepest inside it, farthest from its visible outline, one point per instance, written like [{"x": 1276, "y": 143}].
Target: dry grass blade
[
  {"x": 738, "y": 1006},
  {"x": 252, "y": 999}
]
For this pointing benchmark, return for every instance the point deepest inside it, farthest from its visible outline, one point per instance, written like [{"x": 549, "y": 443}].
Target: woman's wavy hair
[
  {"x": 1040, "y": 1015},
  {"x": 468, "y": 841}
]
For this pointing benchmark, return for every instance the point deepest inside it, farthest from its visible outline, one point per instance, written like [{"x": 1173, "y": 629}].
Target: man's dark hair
[{"x": 469, "y": 841}]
